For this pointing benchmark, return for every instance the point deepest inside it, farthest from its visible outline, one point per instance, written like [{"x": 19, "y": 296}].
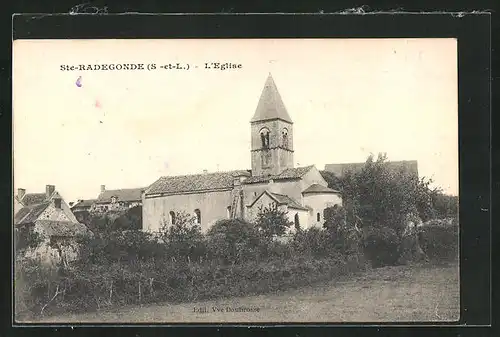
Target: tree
[
  {"x": 234, "y": 241},
  {"x": 272, "y": 221},
  {"x": 184, "y": 239}
]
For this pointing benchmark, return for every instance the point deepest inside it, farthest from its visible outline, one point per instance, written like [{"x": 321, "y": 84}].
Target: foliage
[
  {"x": 26, "y": 237},
  {"x": 382, "y": 246},
  {"x": 129, "y": 219},
  {"x": 183, "y": 239},
  {"x": 439, "y": 242},
  {"x": 272, "y": 221},
  {"x": 234, "y": 241}
]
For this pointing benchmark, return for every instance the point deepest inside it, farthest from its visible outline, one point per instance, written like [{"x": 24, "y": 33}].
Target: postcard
[{"x": 236, "y": 180}]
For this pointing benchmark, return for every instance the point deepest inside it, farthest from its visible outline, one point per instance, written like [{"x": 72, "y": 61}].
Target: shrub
[
  {"x": 271, "y": 221},
  {"x": 183, "y": 239},
  {"x": 234, "y": 241},
  {"x": 382, "y": 246},
  {"x": 439, "y": 242}
]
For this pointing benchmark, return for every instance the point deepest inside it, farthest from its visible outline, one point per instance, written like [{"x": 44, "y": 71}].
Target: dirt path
[{"x": 400, "y": 293}]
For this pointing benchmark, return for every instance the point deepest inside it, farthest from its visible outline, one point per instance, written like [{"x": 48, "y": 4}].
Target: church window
[
  {"x": 172, "y": 217},
  {"x": 318, "y": 217},
  {"x": 285, "y": 138},
  {"x": 198, "y": 216},
  {"x": 229, "y": 211},
  {"x": 296, "y": 220},
  {"x": 264, "y": 138}
]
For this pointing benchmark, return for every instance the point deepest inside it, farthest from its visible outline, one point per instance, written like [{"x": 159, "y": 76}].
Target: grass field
[{"x": 402, "y": 293}]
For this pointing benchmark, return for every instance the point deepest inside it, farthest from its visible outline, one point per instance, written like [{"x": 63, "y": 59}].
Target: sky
[{"x": 124, "y": 129}]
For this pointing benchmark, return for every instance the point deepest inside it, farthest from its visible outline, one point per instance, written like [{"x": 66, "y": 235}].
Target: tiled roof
[
  {"x": 285, "y": 199},
  {"x": 63, "y": 228},
  {"x": 195, "y": 182},
  {"x": 33, "y": 198},
  {"x": 128, "y": 194},
  {"x": 317, "y": 188},
  {"x": 410, "y": 166},
  {"x": 29, "y": 214},
  {"x": 290, "y": 173},
  {"x": 270, "y": 105},
  {"x": 84, "y": 203}
]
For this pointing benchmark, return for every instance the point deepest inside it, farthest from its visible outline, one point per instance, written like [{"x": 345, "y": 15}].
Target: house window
[
  {"x": 264, "y": 138},
  {"x": 198, "y": 216},
  {"x": 318, "y": 217},
  {"x": 172, "y": 217},
  {"x": 296, "y": 220},
  {"x": 284, "y": 135},
  {"x": 113, "y": 200},
  {"x": 57, "y": 203}
]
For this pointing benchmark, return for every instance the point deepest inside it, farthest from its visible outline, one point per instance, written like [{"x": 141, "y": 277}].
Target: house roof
[
  {"x": 33, "y": 198},
  {"x": 270, "y": 104},
  {"x": 410, "y": 166},
  {"x": 280, "y": 199},
  {"x": 63, "y": 228},
  {"x": 290, "y": 173},
  {"x": 195, "y": 182},
  {"x": 317, "y": 188},
  {"x": 84, "y": 203},
  {"x": 29, "y": 214},
  {"x": 127, "y": 194}
]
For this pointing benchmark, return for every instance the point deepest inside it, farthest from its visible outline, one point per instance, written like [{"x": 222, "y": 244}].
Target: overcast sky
[{"x": 125, "y": 129}]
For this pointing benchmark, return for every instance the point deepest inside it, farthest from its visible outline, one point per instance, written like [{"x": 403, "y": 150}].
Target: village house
[
  {"x": 118, "y": 199},
  {"x": 272, "y": 180},
  {"x": 50, "y": 216}
]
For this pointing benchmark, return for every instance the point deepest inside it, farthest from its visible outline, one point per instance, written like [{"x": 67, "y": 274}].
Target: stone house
[
  {"x": 272, "y": 180},
  {"x": 118, "y": 199},
  {"x": 50, "y": 216}
]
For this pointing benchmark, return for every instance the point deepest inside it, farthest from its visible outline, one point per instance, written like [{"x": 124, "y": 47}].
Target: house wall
[
  {"x": 62, "y": 214},
  {"x": 318, "y": 202},
  {"x": 212, "y": 205}
]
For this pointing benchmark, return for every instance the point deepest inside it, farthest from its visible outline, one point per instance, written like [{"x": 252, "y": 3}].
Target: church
[{"x": 272, "y": 180}]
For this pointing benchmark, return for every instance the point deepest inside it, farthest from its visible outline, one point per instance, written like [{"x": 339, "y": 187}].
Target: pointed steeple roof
[{"x": 270, "y": 104}]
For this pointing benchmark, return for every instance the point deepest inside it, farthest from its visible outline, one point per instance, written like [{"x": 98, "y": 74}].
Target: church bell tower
[{"x": 272, "y": 133}]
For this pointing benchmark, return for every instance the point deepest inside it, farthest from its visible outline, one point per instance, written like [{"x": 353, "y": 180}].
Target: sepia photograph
[{"x": 235, "y": 181}]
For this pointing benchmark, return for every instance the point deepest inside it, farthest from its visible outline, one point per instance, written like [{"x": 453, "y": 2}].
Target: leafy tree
[
  {"x": 272, "y": 221},
  {"x": 234, "y": 241},
  {"x": 183, "y": 238}
]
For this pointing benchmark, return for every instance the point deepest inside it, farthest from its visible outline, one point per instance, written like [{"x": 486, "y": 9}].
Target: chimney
[
  {"x": 71, "y": 203},
  {"x": 49, "y": 190},
  {"x": 103, "y": 188},
  {"x": 205, "y": 171},
  {"x": 20, "y": 193}
]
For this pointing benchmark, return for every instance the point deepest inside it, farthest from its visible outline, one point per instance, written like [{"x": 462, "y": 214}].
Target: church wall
[
  {"x": 212, "y": 205},
  {"x": 318, "y": 202},
  {"x": 264, "y": 201},
  {"x": 292, "y": 188},
  {"x": 303, "y": 218}
]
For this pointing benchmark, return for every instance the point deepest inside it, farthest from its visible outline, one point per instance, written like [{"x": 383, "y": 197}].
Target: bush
[
  {"x": 382, "y": 246},
  {"x": 439, "y": 242},
  {"x": 234, "y": 241}
]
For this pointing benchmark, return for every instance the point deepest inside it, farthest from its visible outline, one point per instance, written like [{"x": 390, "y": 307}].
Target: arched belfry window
[
  {"x": 172, "y": 217},
  {"x": 197, "y": 213},
  {"x": 264, "y": 138},
  {"x": 284, "y": 136}
]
